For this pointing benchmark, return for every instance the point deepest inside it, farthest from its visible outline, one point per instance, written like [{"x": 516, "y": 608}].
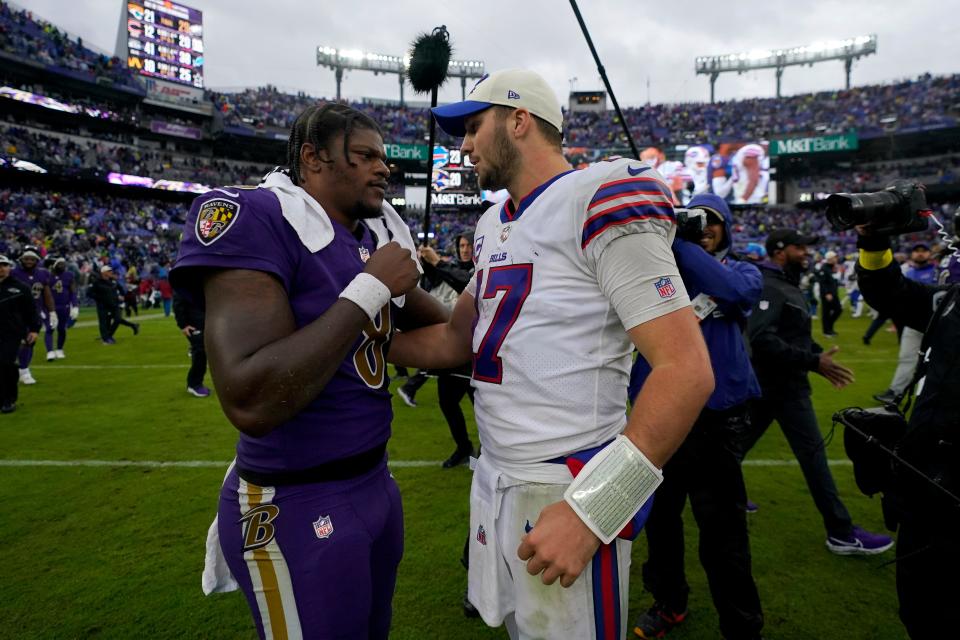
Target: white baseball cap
[
  {"x": 5, "y": 260},
  {"x": 106, "y": 268},
  {"x": 517, "y": 88}
]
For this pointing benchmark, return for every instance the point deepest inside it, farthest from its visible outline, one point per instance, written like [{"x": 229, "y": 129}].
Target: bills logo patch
[
  {"x": 482, "y": 535},
  {"x": 665, "y": 287},
  {"x": 214, "y": 219},
  {"x": 323, "y": 527}
]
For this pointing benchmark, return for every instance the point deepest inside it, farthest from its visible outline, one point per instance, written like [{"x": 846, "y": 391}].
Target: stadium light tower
[
  {"x": 342, "y": 59},
  {"x": 847, "y": 50}
]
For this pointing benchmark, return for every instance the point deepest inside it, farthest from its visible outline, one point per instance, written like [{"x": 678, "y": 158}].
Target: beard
[
  {"x": 362, "y": 210},
  {"x": 501, "y": 164}
]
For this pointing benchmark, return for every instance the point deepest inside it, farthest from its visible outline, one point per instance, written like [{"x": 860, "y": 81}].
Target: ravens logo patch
[{"x": 215, "y": 218}]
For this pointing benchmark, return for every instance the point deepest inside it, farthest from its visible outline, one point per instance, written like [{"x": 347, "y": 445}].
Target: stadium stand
[{"x": 85, "y": 117}]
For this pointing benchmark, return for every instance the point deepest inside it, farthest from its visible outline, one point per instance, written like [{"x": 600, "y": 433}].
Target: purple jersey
[
  {"x": 36, "y": 279},
  {"x": 245, "y": 229},
  {"x": 60, "y": 284}
]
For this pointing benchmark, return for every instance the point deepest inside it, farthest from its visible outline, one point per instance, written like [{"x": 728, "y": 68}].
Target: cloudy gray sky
[{"x": 256, "y": 42}]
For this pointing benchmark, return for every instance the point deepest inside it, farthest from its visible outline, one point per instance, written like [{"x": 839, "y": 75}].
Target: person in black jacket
[
  {"x": 928, "y": 557},
  {"x": 783, "y": 354},
  {"x": 830, "y": 307},
  {"x": 19, "y": 323},
  {"x": 190, "y": 319},
  {"x": 452, "y": 385},
  {"x": 107, "y": 295}
]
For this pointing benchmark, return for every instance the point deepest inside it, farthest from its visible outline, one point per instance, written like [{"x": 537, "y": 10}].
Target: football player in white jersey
[{"x": 573, "y": 272}]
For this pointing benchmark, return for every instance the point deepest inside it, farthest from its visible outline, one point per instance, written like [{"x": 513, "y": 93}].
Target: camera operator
[
  {"x": 453, "y": 275},
  {"x": 928, "y": 557},
  {"x": 723, "y": 290}
]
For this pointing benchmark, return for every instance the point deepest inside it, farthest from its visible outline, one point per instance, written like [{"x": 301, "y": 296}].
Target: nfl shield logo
[
  {"x": 482, "y": 535},
  {"x": 505, "y": 233},
  {"x": 665, "y": 287},
  {"x": 323, "y": 527},
  {"x": 364, "y": 254}
]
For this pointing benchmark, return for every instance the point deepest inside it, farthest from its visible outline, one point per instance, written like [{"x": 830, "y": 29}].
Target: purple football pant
[
  {"x": 63, "y": 316},
  {"x": 315, "y": 560}
]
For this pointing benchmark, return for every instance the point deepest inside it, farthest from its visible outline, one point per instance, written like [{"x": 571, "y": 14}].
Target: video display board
[{"x": 165, "y": 41}]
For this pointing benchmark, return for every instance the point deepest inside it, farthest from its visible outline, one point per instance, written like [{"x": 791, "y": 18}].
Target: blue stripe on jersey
[
  {"x": 624, "y": 214},
  {"x": 640, "y": 186}
]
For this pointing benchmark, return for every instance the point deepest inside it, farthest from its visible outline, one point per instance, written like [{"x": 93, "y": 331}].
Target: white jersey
[{"x": 551, "y": 356}]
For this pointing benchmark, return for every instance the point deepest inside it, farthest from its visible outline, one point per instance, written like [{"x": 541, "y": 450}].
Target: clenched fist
[{"x": 395, "y": 267}]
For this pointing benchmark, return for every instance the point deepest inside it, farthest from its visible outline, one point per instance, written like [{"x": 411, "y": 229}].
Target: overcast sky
[{"x": 256, "y": 42}]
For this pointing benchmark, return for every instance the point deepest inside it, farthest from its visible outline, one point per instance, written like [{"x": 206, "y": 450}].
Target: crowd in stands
[
  {"x": 92, "y": 230},
  {"x": 71, "y": 155},
  {"x": 872, "y": 177},
  {"x": 26, "y": 36},
  {"x": 925, "y": 102}
]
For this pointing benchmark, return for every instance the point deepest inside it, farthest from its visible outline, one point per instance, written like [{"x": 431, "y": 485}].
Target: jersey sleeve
[
  {"x": 623, "y": 197},
  {"x": 232, "y": 232}
]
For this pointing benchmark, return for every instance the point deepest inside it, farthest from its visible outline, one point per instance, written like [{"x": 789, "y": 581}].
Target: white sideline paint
[
  {"x": 140, "y": 318},
  {"x": 399, "y": 464},
  {"x": 56, "y": 365}
]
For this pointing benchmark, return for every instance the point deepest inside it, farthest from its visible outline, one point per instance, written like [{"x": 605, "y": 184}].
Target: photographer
[
  {"x": 449, "y": 278},
  {"x": 928, "y": 559},
  {"x": 706, "y": 467}
]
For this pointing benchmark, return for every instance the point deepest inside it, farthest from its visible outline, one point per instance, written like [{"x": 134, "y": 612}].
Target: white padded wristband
[
  {"x": 612, "y": 487},
  {"x": 368, "y": 293}
]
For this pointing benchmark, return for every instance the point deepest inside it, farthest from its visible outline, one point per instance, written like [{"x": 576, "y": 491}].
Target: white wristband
[
  {"x": 368, "y": 293},
  {"x": 612, "y": 487}
]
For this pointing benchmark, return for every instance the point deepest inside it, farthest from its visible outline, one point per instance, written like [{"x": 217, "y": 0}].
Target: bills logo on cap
[
  {"x": 214, "y": 219},
  {"x": 513, "y": 95},
  {"x": 364, "y": 254},
  {"x": 323, "y": 527},
  {"x": 482, "y": 535},
  {"x": 665, "y": 287},
  {"x": 484, "y": 77}
]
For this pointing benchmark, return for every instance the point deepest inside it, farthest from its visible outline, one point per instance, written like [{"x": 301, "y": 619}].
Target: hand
[
  {"x": 560, "y": 545},
  {"x": 395, "y": 267},
  {"x": 54, "y": 320},
  {"x": 428, "y": 254},
  {"x": 31, "y": 337},
  {"x": 74, "y": 312},
  {"x": 838, "y": 375},
  {"x": 188, "y": 330}
]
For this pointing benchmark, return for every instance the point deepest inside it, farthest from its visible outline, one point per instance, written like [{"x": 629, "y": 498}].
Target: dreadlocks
[{"x": 318, "y": 125}]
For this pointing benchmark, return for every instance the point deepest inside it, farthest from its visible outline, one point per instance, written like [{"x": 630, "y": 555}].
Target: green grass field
[{"x": 116, "y": 551}]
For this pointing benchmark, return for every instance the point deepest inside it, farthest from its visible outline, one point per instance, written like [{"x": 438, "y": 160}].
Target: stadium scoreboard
[{"x": 164, "y": 40}]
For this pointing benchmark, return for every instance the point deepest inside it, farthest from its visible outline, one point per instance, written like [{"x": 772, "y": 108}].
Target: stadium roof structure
[
  {"x": 341, "y": 59},
  {"x": 847, "y": 50}
]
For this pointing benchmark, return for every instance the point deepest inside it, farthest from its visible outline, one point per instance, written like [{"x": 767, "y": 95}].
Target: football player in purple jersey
[
  {"x": 38, "y": 279},
  {"x": 63, "y": 288},
  {"x": 304, "y": 279}
]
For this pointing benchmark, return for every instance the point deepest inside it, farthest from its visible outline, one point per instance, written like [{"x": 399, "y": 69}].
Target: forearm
[
  {"x": 884, "y": 288},
  {"x": 434, "y": 347},
  {"x": 48, "y": 299},
  {"x": 666, "y": 407},
  {"x": 441, "y": 345}
]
